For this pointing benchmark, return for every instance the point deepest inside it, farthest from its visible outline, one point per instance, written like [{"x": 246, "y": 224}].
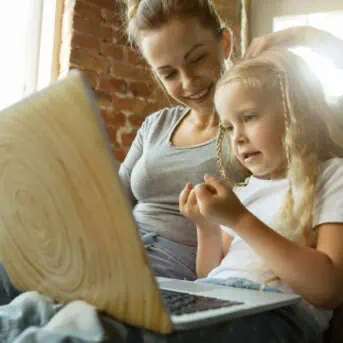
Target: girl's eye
[
  {"x": 250, "y": 116},
  {"x": 228, "y": 128}
]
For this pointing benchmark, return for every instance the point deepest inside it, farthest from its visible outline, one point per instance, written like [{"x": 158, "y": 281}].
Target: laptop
[{"x": 66, "y": 225}]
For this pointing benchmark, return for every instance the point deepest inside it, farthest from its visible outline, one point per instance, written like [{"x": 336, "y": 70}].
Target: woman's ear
[{"x": 227, "y": 42}]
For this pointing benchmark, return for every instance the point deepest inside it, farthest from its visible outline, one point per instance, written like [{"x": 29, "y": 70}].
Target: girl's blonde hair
[
  {"x": 145, "y": 15},
  {"x": 311, "y": 136}
]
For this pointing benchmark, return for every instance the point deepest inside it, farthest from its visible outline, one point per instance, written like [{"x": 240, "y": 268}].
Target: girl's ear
[{"x": 227, "y": 42}]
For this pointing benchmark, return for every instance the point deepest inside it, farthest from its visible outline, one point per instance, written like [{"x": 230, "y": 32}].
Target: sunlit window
[
  {"x": 330, "y": 76},
  {"x": 14, "y": 26},
  {"x": 26, "y": 38}
]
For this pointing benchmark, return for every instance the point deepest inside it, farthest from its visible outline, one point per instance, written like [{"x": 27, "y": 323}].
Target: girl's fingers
[
  {"x": 192, "y": 199},
  {"x": 214, "y": 185},
  {"x": 183, "y": 199}
]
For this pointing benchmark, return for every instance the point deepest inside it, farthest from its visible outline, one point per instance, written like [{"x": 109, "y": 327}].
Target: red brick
[
  {"x": 135, "y": 58},
  {"x": 80, "y": 40},
  {"x": 116, "y": 52},
  {"x": 81, "y": 58},
  {"x": 119, "y": 86},
  {"x": 101, "y": 65},
  {"x": 121, "y": 38},
  {"x": 92, "y": 77},
  {"x": 92, "y": 29},
  {"x": 88, "y": 11},
  {"x": 110, "y": 85},
  {"x": 106, "y": 115},
  {"x": 104, "y": 85},
  {"x": 112, "y": 133},
  {"x": 110, "y": 17},
  {"x": 141, "y": 89},
  {"x": 128, "y": 104},
  {"x": 136, "y": 120},
  {"x": 120, "y": 154},
  {"x": 119, "y": 120},
  {"x": 108, "y": 4},
  {"x": 116, "y": 145},
  {"x": 127, "y": 138},
  {"x": 129, "y": 72},
  {"x": 104, "y": 99}
]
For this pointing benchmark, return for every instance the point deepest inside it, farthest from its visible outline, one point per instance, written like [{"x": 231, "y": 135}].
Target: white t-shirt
[{"x": 264, "y": 199}]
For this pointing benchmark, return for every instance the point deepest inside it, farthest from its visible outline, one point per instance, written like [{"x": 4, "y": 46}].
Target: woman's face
[{"x": 187, "y": 58}]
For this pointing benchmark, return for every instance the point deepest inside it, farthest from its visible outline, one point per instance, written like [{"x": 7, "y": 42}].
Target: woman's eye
[
  {"x": 198, "y": 59},
  {"x": 170, "y": 75}
]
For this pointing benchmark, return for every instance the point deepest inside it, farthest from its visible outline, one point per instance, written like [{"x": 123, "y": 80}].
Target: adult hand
[
  {"x": 218, "y": 203},
  {"x": 292, "y": 37}
]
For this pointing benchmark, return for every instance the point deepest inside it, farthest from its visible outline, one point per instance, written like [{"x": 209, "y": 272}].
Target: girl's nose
[{"x": 239, "y": 136}]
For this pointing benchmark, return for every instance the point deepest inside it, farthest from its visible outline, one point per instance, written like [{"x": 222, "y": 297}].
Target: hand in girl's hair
[{"x": 218, "y": 203}]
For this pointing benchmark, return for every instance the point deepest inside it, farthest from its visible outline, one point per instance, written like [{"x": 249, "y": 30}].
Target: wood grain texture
[{"x": 65, "y": 228}]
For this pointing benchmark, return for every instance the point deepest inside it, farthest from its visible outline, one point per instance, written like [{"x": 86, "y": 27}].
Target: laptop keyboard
[{"x": 182, "y": 303}]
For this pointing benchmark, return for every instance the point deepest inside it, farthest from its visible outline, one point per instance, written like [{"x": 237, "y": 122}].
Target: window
[
  {"x": 330, "y": 76},
  {"x": 27, "y": 37}
]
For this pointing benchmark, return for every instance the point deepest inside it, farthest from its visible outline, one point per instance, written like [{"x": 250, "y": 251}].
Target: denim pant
[{"x": 168, "y": 258}]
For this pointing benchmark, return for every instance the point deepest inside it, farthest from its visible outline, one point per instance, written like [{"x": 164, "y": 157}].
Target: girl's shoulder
[
  {"x": 330, "y": 172},
  {"x": 330, "y": 167}
]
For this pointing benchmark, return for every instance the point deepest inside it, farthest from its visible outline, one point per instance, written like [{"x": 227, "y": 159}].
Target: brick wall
[{"x": 93, "y": 40}]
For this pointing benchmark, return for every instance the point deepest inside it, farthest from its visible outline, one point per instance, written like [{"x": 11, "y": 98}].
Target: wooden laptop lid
[{"x": 66, "y": 230}]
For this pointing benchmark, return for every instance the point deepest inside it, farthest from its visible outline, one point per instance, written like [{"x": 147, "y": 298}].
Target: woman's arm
[
  {"x": 320, "y": 41},
  {"x": 132, "y": 157}
]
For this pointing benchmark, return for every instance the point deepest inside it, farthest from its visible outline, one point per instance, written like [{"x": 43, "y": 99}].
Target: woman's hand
[
  {"x": 320, "y": 41},
  {"x": 218, "y": 203},
  {"x": 288, "y": 38}
]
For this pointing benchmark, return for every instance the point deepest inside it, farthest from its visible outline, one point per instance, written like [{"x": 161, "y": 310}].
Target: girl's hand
[
  {"x": 189, "y": 206},
  {"x": 218, "y": 203}
]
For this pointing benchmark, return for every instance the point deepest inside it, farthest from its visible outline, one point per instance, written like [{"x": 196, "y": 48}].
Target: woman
[
  {"x": 174, "y": 145},
  {"x": 177, "y": 145}
]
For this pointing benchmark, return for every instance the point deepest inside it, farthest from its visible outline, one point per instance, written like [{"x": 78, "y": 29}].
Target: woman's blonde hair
[
  {"x": 145, "y": 15},
  {"x": 311, "y": 133}
]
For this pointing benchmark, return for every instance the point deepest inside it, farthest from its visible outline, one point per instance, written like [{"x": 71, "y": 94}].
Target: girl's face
[
  {"x": 187, "y": 58},
  {"x": 254, "y": 120}
]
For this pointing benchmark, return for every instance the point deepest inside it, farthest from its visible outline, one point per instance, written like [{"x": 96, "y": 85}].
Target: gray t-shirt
[{"x": 155, "y": 172}]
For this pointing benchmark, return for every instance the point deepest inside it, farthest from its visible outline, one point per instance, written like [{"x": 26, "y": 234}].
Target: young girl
[{"x": 282, "y": 227}]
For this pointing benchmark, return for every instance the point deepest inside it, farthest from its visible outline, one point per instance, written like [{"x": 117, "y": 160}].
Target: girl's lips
[{"x": 251, "y": 156}]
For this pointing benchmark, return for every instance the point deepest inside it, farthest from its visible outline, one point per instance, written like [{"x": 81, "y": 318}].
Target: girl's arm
[
  {"x": 316, "y": 274},
  {"x": 213, "y": 245}
]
